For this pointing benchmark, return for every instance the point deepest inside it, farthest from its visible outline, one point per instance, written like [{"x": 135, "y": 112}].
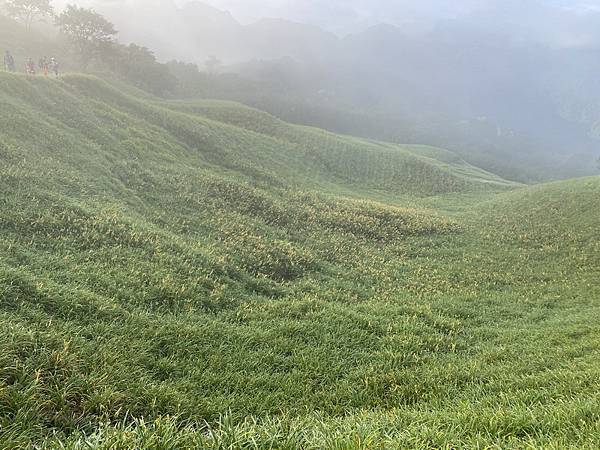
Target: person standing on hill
[
  {"x": 43, "y": 65},
  {"x": 54, "y": 66},
  {"x": 30, "y": 67},
  {"x": 9, "y": 62}
]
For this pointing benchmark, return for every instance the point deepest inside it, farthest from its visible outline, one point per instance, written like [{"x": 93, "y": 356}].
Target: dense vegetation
[{"x": 180, "y": 274}]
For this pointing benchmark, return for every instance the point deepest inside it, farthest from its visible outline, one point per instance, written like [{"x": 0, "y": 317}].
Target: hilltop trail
[{"x": 171, "y": 266}]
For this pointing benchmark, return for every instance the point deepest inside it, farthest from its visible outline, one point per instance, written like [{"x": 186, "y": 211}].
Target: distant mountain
[{"x": 197, "y": 31}]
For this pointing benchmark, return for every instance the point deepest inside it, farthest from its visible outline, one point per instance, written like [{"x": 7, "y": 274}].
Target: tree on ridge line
[
  {"x": 28, "y": 11},
  {"x": 89, "y": 32}
]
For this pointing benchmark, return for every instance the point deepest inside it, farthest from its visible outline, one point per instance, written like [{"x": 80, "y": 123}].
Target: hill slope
[
  {"x": 178, "y": 275},
  {"x": 94, "y": 112}
]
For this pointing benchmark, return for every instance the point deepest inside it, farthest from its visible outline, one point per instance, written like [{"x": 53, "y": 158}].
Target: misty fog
[{"x": 509, "y": 85}]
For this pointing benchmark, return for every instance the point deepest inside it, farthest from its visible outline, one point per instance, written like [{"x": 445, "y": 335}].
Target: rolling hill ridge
[{"x": 203, "y": 275}]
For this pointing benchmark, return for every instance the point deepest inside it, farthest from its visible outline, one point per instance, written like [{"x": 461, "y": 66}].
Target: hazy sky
[
  {"x": 321, "y": 11},
  {"x": 371, "y": 10},
  {"x": 336, "y": 13},
  {"x": 340, "y": 16},
  {"x": 344, "y": 16}
]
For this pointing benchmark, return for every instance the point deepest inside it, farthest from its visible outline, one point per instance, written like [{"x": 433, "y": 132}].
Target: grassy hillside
[
  {"x": 202, "y": 275},
  {"x": 367, "y": 160}
]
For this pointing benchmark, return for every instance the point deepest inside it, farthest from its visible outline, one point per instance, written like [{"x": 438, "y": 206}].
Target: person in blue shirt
[{"x": 9, "y": 62}]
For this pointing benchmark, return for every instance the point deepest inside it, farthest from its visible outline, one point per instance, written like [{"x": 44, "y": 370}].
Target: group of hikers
[{"x": 45, "y": 65}]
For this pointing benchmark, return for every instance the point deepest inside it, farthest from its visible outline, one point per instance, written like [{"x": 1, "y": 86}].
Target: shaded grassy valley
[{"x": 204, "y": 275}]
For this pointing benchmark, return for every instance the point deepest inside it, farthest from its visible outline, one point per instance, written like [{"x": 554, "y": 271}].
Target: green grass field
[{"x": 202, "y": 275}]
